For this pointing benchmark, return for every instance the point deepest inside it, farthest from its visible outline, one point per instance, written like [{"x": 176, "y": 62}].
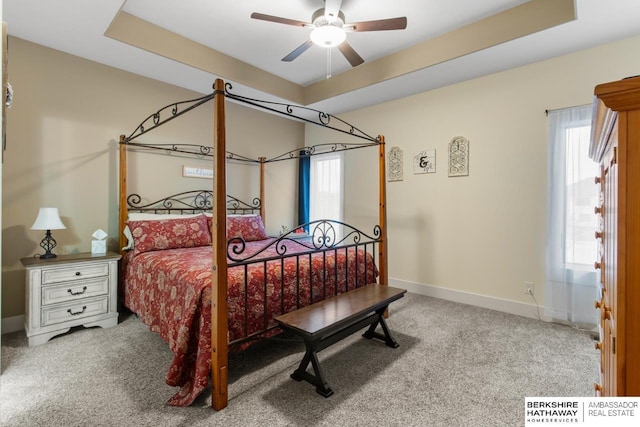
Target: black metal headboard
[{"x": 190, "y": 202}]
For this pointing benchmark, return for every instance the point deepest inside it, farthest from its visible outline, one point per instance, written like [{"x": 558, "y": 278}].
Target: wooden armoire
[{"x": 615, "y": 145}]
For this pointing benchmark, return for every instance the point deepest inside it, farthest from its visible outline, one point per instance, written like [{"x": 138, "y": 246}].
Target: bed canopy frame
[{"x": 218, "y": 201}]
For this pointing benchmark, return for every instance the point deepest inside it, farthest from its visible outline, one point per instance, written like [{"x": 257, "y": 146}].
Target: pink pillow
[
  {"x": 169, "y": 233},
  {"x": 249, "y": 227}
]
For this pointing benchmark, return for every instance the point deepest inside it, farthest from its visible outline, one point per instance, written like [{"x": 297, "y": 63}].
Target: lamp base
[
  {"x": 48, "y": 255},
  {"x": 47, "y": 244}
]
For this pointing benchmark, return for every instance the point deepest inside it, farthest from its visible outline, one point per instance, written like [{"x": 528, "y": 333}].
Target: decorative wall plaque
[
  {"x": 395, "y": 164},
  {"x": 197, "y": 172},
  {"x": 459, "y": 156},
  {"x": 424, "y": 161}
]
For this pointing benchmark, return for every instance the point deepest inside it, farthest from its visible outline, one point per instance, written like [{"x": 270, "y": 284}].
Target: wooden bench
[{"x": 327, "y": 322}]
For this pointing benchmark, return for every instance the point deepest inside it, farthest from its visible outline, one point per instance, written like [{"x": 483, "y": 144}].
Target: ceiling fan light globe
[{"x": 328, "y": 36}]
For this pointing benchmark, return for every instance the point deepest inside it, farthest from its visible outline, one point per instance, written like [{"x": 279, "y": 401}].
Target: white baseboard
[
  {"x": 493, "y": 303},
  {"x": 12, "y": 324},
  {"x": 16, "y": 323}
]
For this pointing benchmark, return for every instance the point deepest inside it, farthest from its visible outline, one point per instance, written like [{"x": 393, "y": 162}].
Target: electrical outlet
[{"x": 528, "y": 288}]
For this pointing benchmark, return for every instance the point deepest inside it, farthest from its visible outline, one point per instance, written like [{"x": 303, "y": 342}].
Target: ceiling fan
[{"x": 330, "y": 30}]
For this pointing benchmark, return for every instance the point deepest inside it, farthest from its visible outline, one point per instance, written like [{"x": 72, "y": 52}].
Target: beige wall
[
  {"x": 483, "y": 234},
  {"x": 62, "y": 138}
]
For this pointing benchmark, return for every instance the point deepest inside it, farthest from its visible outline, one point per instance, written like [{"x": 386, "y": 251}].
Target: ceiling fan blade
[
  {"x": 350, "y": 54},
  {"x": 379, "y": 25},
  {"x": 331, "y": 9},
  {"x": 278, "y": 19},
  {"x": 298, "y": 51}
]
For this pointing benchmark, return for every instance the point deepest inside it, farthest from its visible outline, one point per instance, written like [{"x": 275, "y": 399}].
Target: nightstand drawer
[
  {"x": 74, "y": 310},
  {"x": 75, "y": 290},
  {"x": 78, "y": 272}
]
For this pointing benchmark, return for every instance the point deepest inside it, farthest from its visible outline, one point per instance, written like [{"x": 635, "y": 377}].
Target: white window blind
[
  {"x": 582, "y": 196},
  {"x": 326, "y": 187}
]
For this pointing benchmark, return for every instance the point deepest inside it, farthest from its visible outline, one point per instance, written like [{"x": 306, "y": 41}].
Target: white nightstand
[{"x": 70, "y": 290}]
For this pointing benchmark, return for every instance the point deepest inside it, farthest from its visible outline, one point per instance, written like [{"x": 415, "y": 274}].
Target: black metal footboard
[{"x": 293, "y": 271}]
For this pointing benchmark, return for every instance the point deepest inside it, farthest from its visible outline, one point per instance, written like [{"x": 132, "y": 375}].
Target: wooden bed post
[
  {"x": 122, "y": 187},
  {"x": 219, "y": 320},
  {"x": 262, "y": 159},
  {"x": 382, "y": 255}
]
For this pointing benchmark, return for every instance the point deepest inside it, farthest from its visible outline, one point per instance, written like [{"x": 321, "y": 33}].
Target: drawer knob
[
  {"x": 598, "y": 209},
  {"x": 75, "y": 313},
  {"x": 597, "y": 265},
  {"x": 597, "y": 180},
  {"x": 606, "y": 311},
  {"x": 84, "y": 288},
  {"x": 77, "y": 273},
  {"x": 598, "y": 388},
  {"x": 598, "y": 346},
  {"x": 599, "y": 234}
]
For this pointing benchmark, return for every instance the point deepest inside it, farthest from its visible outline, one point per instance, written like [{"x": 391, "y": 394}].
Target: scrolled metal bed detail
[
  {"x": 323, "y": 236},
  {"x": 194, "y": 201}
]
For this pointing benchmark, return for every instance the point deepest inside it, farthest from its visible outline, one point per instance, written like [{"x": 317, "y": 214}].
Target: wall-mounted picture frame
[
  {"x": 395, "y": 170},
  {"x": 459, "y": 156},
  {"x": 424, "y": 162},
  {"x": 197, "y": 172}
]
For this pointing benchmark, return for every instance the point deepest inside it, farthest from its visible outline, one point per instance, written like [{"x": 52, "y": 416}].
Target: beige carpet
[{"x": 457, "y": 365}]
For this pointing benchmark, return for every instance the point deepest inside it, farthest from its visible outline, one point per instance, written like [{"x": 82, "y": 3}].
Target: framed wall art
[
  {"x": 424, "y": 162},
  {"x": 459, "y": 156},
  {"x": 395, "y": 164},
  {"x": 197, "y": 172}
]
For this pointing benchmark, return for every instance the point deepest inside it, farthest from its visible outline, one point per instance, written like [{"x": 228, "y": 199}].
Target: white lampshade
[
  {"x": 328, "y": 35},
  {"x": 48, "y": 219}
]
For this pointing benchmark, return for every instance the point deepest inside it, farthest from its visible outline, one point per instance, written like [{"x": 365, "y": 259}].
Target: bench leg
[
  {"x": 387, "y": 338},
  {"x": 317, "y": 378},
  {"x": 314, "y": 344}
]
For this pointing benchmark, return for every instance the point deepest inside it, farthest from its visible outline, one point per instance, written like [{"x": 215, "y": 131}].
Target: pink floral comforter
[{"x": 171, "y": 292}]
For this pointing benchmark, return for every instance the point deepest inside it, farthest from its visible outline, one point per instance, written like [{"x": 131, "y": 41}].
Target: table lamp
[{"x": 48, "y": 219}]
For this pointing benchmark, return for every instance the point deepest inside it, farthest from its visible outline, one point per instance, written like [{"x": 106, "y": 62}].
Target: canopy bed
[{"x": 209, "y": 278}]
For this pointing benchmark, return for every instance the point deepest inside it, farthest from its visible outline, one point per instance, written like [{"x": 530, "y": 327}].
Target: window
[
  {"x": 571, "y": 223},
  {"x": 582, "y": 196},
  {"x": 326, "y": 187}
]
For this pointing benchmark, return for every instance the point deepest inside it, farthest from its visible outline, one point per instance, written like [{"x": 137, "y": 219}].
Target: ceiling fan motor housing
[{"x": 319, "y": 19}]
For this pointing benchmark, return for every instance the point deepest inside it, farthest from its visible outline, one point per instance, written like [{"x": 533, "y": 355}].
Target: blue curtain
[{"x": 304, "y": 188}]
